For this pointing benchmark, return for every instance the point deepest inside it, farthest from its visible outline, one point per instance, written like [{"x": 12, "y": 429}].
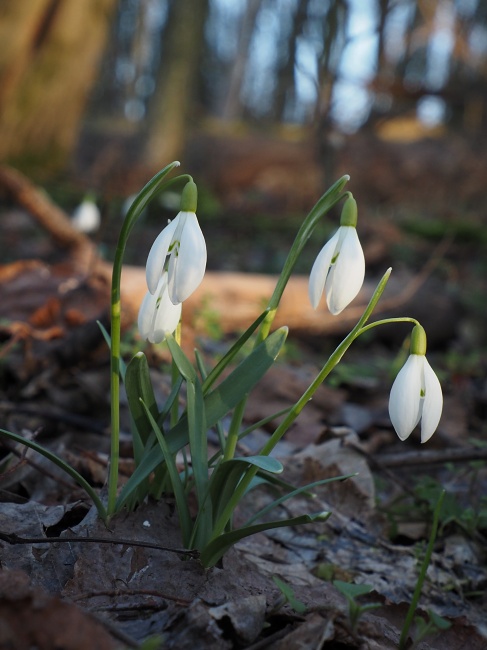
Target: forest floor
[{"x": 66, "y": 581}]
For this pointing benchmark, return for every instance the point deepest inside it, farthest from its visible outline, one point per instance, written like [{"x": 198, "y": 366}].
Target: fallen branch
[
  {"x": 231, "y": 299},
  {"x": 49, "y": 215},
  {"x": 12, "y": 538}
]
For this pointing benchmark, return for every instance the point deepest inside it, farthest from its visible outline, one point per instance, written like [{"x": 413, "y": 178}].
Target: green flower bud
[
  {"x": 189, "y": 197},
  {"x": 349, "y": 212},
  {"x": 418, "y": 341}
]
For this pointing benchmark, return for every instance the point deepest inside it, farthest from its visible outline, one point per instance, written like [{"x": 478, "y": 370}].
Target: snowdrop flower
[
  {"x": 339, "y": 269},
  {"x": 157, "y": 314},
  {"x": 416, "y": 393},
  {"x": 184, "y": 244},
  {"x": 86, "y": 217}
]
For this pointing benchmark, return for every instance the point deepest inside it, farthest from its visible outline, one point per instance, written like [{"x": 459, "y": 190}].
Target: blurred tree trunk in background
[
  {"x": 176, "y": 82},
  {"x": 233, "y": 108},
  {"x": 285, "y": 95},
  {"x": 48, "y": 63}
]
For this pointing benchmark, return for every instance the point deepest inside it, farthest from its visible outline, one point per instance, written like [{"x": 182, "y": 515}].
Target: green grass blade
[
  {"x": 82, "y": 482},
  {"x": 228, "y": 474},
  {"x": 138, "y": 387},
  {"x": 217, "y": 547},
  {"x": 217, "y": 404},
  {"x": 177, "y": 487},
  {"x": 182, "y": 362},
  {"x": 232, "y": 353},
  {"x": 204, "y": 373},
  {"x": 296, "y": 492},
  {"x": 108, "y": 340}
]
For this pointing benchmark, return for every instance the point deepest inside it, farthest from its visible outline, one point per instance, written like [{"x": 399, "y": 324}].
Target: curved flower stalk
[
  {"x": 416, "y": 393},
  {"x": 339, "y": 269},
  {"x": 157, "y": 314},
  {"x": 180, "y": 249}
]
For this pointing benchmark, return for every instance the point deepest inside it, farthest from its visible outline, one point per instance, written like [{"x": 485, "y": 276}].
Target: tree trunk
[
  {"x": 232, "y": 109},
  {"x": 176, "y": 83},
  {"x": 286, "y": 75},
  {"x": 48, "y": 64}
]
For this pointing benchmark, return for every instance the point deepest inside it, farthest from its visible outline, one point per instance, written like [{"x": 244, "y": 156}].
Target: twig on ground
[
  {"x": 12, "y": 538},
  {"x": 117, "y": 593},
  {"x": 461, "y": 455}
]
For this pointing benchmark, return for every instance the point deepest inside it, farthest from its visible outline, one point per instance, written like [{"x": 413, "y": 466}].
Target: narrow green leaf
[
  {"x": 217, "y": 547},
  {"x": 139, "y": 389},
  {"x": 351, "y": 590},
  {"x": 199, "y": 458},
  {"x": 180, "y": 359},
  {"x": 305, "y": 489},
  {"x": 173, "y": 395},
  {"x": 288, "y": 594},
  {"x": 217, "y": 404},
  {"x": 263, "y": 422},
  {"x": 108, "y": 340},
  {"x": 204, "y": 374},
  {"x": 241, "y": 381},
  {"x": 437, "y": 620},
  {"x": 232, "y": 352},
  {"x": 228, "y": 474},
  {"x": 82, "y": 482},
  {"x": 177, "y": 487}
]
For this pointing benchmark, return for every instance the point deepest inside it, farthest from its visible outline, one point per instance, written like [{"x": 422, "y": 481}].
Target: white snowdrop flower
[
  {"x": 86, "y": 217},
  {"x": 180, "y": 249},
  {"x": 157, "y": 314},
  {"x": 339, "y": 269},
  {"x": 416, "y": 393}
]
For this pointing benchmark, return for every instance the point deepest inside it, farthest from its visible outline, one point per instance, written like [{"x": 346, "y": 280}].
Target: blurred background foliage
[
  {"x": 84, "y": 82},
  {"x": 266, "y": 102}
]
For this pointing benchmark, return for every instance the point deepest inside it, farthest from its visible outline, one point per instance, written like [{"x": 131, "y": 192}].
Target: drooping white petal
[
  {"x": 347, "y": 275},
  {"x": 405, "y": 404},
  {"x": 158, "y": 253},
  {"x": 433, "y": 402},
  {"x": 167, "y": 318},
  {"x": 319, "y": 271},
  {"x": 146, "y": 315},
  {"x": 157, "y": 314},
  {"x": 187, "y": 267}
]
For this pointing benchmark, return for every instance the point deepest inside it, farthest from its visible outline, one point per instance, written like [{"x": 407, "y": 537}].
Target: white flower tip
[
  {"x": 334, "y": 311},
  {"x": 426, "y": 435},
  {"x": 177, "y": 163},
  {"x": 314, "y": 299}
]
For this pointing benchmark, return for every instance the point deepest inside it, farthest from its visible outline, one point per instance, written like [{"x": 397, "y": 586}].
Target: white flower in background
[
  {"x": 86, "y": 217},
  {"x": 180, "y": 249},
  {"x": 339, "y": 269},
  {"x": 416, "y": 393},
  {"x": 157, "y": 314}
]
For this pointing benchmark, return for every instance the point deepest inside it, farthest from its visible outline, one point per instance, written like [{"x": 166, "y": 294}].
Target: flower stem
[
  {"x": 386, "y": 321},
  {"x": 233, "y": 431},
  {"x": 422, "y": 574},
  {"x": 333, "y": 360},
  {"x": 330, "y": 198},
  {"x": 153, "y": 187}
]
